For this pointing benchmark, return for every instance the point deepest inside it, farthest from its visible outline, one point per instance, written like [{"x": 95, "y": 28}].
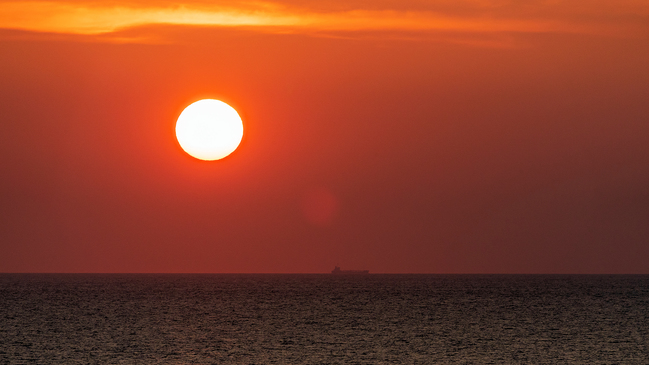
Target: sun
[{"x": 209, "y": 129}]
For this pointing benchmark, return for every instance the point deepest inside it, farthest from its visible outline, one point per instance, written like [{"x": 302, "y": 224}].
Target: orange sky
[{"x": 452, "y": 137}]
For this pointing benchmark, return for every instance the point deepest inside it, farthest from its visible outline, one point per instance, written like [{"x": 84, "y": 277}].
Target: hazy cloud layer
[{"x": 625, "y": 18}]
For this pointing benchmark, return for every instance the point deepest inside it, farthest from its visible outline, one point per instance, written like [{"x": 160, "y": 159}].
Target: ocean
[{"x": 323, "y": 319}]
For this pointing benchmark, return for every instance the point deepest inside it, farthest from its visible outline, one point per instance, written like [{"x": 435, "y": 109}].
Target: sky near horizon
[{"x": 469, "y": 136}]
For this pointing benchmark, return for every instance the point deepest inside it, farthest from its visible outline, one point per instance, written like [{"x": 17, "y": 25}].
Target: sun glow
[{"x": 209, "y": 129}]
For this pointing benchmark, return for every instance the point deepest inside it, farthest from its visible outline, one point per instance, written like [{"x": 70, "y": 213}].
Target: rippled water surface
[{"x": 323, "y": 319}]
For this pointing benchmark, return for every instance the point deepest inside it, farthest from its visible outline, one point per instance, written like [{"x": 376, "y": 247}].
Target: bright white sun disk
[{"x": 209, "y": 129}]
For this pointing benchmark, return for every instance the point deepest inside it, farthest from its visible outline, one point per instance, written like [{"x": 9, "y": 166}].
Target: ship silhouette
[{"x": 338, "y": 271}]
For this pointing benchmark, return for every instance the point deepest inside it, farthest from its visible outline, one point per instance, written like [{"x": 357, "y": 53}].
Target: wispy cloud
[
  {"x": 79, "y": 19},
  {"x": 95, "y": 17}
]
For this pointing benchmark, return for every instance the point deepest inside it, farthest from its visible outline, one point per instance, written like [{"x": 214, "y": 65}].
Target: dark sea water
[{"x": 323, "y": 319}]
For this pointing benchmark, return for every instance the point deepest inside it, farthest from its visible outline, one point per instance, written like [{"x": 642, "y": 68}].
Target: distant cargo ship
[{"x": 337, "y": 271}]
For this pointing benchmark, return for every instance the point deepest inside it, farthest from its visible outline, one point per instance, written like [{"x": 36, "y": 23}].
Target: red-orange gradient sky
[{"x": 401, "y": 137}]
